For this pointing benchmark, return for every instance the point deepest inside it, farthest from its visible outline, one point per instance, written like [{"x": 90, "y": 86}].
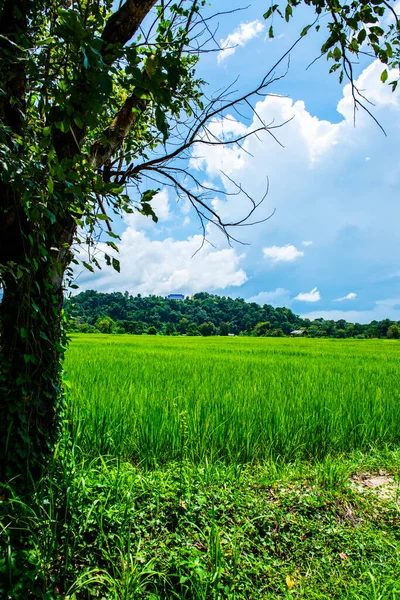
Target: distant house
[
  {"x": 231, "y": 335},
  {"x": 175, "y": 297},
  {"x": 299, "y": 332}
]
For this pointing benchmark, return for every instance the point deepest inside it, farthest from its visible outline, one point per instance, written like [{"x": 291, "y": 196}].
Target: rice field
[{"x": 153, "y": 400}]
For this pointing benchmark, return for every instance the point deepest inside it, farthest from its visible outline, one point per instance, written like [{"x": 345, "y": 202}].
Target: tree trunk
[
  {"x": 30, "y": 376},
  {"x": 31, "y": 348}
]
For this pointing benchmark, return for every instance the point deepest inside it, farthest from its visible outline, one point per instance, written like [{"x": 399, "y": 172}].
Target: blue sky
[{"x": 332, "y": 247}]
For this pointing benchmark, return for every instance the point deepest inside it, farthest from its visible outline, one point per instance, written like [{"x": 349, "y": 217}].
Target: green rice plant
[{"x": 242, "y": 400}]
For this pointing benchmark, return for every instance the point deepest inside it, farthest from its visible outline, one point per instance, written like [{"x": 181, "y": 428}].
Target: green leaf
[
  {"x": 288, "y": 12},
  {"x": 112, "y": 245},
  {"x": 384, "y": 76},
  {"x": 30, "y": 358},
  {"x": 305, "y": 31},
  {"x": 88, "y": 267},
  {"x": 116, "y": 264},
  {"x": 113, "y": 235},
  {"x": 23, "y": 333},
  {"x": 271, "y": 10},
  {"x": 337, "y": 53},
  {"x": 148, "y": 195},
  {"x": 161, "y": 123},
  {"x": 361, "y": 36},
  {"x": 78, "y": 121}
]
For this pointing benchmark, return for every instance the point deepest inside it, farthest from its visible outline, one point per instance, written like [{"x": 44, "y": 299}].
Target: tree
[
  {"x": 105, "y": 325},
  {"x": 393, "y": 332},
  {"x": 86, "y": 107},
  {"x": 262, "y": 329},
  {"x": 383, "y": 327},
  {"x": 170, "y": 329},
  {"x": 183, "y": 325},
  {"x": 277, "y": 332},
  {"x": 192, "y": 329},
  {"x": 207, "y": 329},
  {"x": 224, "y": 328}
]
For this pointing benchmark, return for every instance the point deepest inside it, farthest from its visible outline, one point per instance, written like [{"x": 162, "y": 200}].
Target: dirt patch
[{"x": 383, "y": 484}]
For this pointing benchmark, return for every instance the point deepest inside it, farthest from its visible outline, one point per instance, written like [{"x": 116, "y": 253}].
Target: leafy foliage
[{"x": 358, "y": 26}]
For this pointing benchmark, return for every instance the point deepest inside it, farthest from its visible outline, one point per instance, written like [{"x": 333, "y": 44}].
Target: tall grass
[{"x": 156, "y": 399}]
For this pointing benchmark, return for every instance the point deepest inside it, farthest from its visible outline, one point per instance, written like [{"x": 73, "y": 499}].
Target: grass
[
  {"x": 109, "y": 530},
  {"x": 239, "y": 400},
  {"x": 211, "y": 469}
]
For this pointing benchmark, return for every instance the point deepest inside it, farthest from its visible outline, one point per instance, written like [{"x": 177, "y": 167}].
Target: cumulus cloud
[
  {"x": 322, "y": 188},
  {"x": 312, "y": 296},
  {"x": 278, "y": 297},
  {"x": 286, "y": 253},
  {"x": 350, "y": 296},
  {"x": 161, "y": 267},
  {"x": 239, "y": 37}
]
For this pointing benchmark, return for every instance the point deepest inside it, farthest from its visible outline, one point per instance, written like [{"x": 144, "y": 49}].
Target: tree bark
[{"x": 31, "y": 337}]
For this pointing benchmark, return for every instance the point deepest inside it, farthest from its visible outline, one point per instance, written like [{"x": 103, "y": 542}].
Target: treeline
[{"x": 204, "y": 314}]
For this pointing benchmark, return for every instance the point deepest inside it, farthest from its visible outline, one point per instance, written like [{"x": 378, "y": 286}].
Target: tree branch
[{"x": 124, "y": 23}]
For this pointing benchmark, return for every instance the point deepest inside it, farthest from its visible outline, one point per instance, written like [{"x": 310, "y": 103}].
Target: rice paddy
[
  {"x": 153, "y": 400},
  {"x": 216, "y": 469}
]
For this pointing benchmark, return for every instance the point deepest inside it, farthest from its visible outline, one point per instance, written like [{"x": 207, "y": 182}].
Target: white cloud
[
  {"x": 278, "y": 297},
  {"x": 239, "y": 37},
  {"x": 377, "y": 93},
  {"x": 312, "y": 296},
  {"x": 382, "y": 309},
  {"x": 350, "y": 296},
  {"x": 165, "y": 266},
  {"x": 217, "y": 159},
  {"x": 286, "y": 253},
  {"x": 307, "y": 243}
]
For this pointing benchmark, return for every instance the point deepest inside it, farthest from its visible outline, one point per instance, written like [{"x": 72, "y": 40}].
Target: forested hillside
[{"x": 204, "y": 314}]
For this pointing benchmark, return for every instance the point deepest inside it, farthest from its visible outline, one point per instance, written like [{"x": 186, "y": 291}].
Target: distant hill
[{"x": 205, "y": 314}]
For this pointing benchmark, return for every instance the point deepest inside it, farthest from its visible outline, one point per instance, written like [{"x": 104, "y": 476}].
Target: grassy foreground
[
  {"x": 108, "y": 530},
  {"x": 216, "y": 469}
]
